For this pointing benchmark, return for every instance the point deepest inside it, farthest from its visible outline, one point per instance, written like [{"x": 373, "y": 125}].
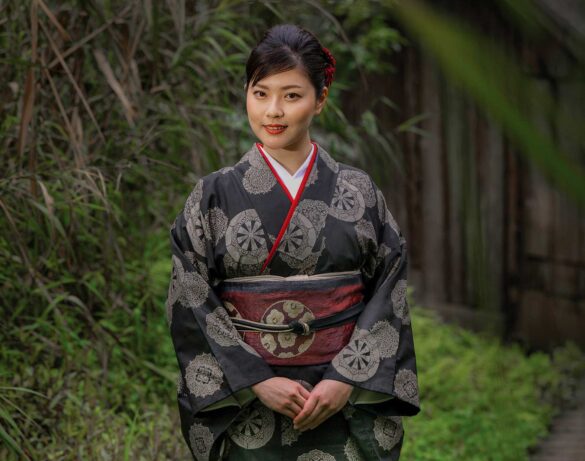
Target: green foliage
[
  {"x": 73, "y": 390},
  {"x": 374, "y": 38},
  {"x": 480, "y": 399}
]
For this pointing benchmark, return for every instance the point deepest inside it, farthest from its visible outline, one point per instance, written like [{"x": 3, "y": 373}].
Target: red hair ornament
[{"x": 330, "y": 69}]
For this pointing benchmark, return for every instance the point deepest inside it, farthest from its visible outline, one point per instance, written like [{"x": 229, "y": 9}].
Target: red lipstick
[{"x": 275, "y": 129}]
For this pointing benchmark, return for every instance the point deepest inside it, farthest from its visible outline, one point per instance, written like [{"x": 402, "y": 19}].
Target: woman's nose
[{"x": 274, "y": 108}]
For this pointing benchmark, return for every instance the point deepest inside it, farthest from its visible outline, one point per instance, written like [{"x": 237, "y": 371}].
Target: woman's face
[{"x": 284, "y": 99}]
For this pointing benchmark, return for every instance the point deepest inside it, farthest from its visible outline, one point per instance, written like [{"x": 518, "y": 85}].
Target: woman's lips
[{"x": 275, "y": 129}]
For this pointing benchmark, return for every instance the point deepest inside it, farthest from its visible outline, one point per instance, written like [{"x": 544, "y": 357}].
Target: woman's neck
[{"x": 291, "y": 160}]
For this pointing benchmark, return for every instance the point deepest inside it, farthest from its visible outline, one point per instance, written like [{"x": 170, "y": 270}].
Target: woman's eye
[{"x": 261, "y": 94}]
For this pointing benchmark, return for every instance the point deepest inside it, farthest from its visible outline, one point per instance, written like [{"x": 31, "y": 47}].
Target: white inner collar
[{"x": 291, "y": 181}]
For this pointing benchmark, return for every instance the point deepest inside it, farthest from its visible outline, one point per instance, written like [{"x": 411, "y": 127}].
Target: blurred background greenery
[{"x": 110, "y": 112}]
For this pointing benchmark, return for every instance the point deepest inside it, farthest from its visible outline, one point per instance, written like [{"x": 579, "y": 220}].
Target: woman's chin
[{"x": 271, "y": 143}]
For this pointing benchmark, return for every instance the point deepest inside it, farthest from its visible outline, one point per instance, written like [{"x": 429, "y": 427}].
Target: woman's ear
[{"x": 321, "y": 101}]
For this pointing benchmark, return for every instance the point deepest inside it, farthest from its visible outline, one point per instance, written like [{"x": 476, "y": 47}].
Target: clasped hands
[{"x": 306, "y": 409}]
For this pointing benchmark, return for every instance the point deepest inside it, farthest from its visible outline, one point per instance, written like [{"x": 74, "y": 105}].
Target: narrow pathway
[{"x": 566, "y": 441}]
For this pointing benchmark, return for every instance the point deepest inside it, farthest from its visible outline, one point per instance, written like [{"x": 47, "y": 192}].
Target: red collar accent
[
  {"x": 277, "y": 176},
  {"x": 293, "y": 205}
]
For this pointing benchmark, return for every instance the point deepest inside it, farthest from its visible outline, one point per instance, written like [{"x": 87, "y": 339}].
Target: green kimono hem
[
  {"x": 364, "y": 396},
  {"x": 237, "y": 399}
]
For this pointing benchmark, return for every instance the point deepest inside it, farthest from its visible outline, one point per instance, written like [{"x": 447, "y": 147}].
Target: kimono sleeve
[
  {"x": 379, "y": 360},
  {"x": 216, "y": 367}
]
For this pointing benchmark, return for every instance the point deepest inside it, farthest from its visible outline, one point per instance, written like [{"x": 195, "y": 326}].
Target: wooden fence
[{"x": 492, "y": 244}]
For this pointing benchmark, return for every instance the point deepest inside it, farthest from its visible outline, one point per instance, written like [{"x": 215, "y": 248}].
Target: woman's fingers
[
  {"x": 299, "y": 400},
  {"x": 296, "y": 408},
  {"x": 308, "y": 418},
  {"x": 308, "y": 408},
  {"x": 313, "y": 419},
  {"x": 287, "y": 412},
  {"x": 304, "y": 392},
  {"x": 279, "y": 393}
]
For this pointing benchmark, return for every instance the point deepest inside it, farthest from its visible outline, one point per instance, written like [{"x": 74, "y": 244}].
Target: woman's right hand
[{"x": 282, "y": 395}]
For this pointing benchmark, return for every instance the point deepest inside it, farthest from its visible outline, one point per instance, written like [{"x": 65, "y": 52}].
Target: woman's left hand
[{"x": 327, "y": 398}]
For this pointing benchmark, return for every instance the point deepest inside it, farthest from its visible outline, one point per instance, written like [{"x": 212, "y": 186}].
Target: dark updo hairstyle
[{"x": 285, "y": 47}]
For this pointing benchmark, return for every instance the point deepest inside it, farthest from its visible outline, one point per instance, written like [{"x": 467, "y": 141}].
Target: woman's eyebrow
[{"x": 283, "y": 88}]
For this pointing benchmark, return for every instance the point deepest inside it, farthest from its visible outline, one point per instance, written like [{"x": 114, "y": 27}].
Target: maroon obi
[{"x": 265, "y": 302}]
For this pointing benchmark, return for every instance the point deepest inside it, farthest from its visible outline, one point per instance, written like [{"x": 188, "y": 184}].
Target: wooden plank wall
[{"x": 492, "y": 244}]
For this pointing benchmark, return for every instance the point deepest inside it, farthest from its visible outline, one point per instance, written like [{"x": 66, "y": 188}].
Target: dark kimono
[{"x": 338, "y": 222}]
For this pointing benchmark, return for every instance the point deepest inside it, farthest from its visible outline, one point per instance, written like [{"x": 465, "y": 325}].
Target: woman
[{"x": 287, "y": 306}]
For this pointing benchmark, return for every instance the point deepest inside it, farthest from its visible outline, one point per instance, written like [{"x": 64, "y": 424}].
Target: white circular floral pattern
[
  {"x": 258, "y": 180},
  {"x": 203, "y": 375},
  {"x": 362, "y": 181},
  {"x": 347, "y": 203},
  {"x": 253, "y": 427},
  {"x": 194, "y": 290},
  {"x": 315, "y": 211},
  {"x": 193, "y": 219},
  {"x": 359, "y": 359},
  {"x": 201, "y": 441},
  {"x": 220, "y": 328},
  {"x": 400, "y": 302},
  {"x": 308, "y": 221},
  {"x": 286, "y": 345},
  {"x": 352, "y": 450},
  {"x": 202, "y": 268},
  {"x": 196, "y": 232},
  {"x": 316, "y": 455},
  {"x": 300, "y": 237},
  {"x": 189, "y": 288},
  {"x": 289, "y": 434},
  {"x": 388, "y": 431},
  {"x": 191, "y": 257},
  {"x": 245, "y": 240},
  {"x": 406, "y": 386},
  {"x": 249, "y": 237},
  {"x": 292, "y": 238},
  {"x": 387, "y": 337},
  {"x": 233, "y": 312},
  {"x": 217, "y": 222}
]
